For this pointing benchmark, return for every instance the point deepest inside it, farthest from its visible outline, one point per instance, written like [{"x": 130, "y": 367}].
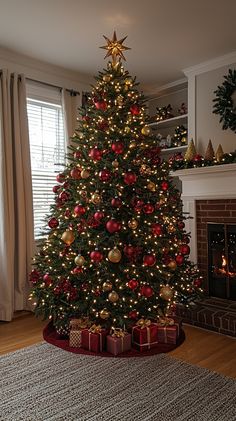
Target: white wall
[
  {"x": 44, "y": 72},
  {"x": 207, "y": 123}
]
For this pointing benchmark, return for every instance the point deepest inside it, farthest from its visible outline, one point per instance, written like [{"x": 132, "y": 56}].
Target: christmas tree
[{"x": 116, "y": 246}]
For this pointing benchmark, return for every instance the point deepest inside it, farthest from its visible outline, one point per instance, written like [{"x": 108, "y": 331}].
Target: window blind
[{"x": 47, "y": 150}]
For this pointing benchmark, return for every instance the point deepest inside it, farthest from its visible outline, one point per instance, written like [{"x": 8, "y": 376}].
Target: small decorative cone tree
[
  {"x": 116, "y": 247},
  {"x": 209, "y": 154},
  {"x": 219, "y": 153},
  {"x": 191, "y": 151}
]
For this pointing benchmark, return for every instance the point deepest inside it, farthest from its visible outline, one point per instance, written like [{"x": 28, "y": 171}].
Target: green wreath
[{"x": 224, "y": 104}]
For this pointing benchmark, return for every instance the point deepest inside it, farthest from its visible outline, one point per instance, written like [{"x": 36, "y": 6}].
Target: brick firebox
[{"x": 215, "y": 211}]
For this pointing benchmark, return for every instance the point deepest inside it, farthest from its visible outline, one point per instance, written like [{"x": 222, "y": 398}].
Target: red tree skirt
[{"x": 50, "y": 336}]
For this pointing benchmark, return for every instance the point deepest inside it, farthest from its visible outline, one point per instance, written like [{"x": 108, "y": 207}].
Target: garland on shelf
[
  {"x": 224, "y": 104},
  {"x": 192, "y": 159}
]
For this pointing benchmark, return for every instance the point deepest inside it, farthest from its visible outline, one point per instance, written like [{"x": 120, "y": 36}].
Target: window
[{"x": 47, "y": 150}]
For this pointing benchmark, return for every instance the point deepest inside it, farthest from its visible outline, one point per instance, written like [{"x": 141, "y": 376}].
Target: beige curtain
[
  {"x": 70, "y": 105},
  {"x": 16, "y": 208}
]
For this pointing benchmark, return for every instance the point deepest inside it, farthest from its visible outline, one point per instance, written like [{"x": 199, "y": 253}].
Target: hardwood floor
[{"x": 201, "y": 347}]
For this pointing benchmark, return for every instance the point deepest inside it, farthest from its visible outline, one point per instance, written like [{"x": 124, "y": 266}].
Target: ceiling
[{"x": 165, "y": 36}]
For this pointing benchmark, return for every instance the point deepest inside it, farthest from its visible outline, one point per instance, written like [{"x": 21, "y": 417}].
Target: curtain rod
[{"x": 72, "y": 91}]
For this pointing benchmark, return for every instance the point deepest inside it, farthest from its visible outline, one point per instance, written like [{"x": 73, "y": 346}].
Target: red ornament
[
  {"x": 97, "y": 293},
  {"x": 47, "y": 280},
  {"x": 75, "y": 173},
  {"x": 56, "y": 188},
  {"x": 105, "y": 175},
  {"x": 86, "y": 118},
  {"x": 93, "y": 223},
  {"x": 101, "y": 105},
  {"x": 116, "y": 202},
  {"x": 77, "y": 154},
  {"x": 197, "y": 282},
  {"x": 95, "y": 154},
  {"x": 179, "y": 259},
  {"x": 129, "y": 250},
  {"x": 146, "y": 291},
  {"x": 184, "y": 249},
  {"x": 197, "y": 158},
  {"x": 98, "y": 215},
  {"x": 67, "y": 213},
  {"x": 164, "y": 185},
  {"x": 102, "y": 125},
  {"x": 148, "y": 208},
  {"x": 64, "y": 196},
  {"x": 157, "y": 229},
  {"x": 96, "y": 256},
  {"x": 57, "y": 290},
  {"x": 34, "y": 276},
  {"x": 77, "y": 270},
  {"x": 181, "y": 225},
  {"x": 149, "y": 260},
  {"x": 118, "y": 147},
  {"x": 60, "y": 178},
  {"x": 79, "y": 210},
  {"x": 130, "y": 178},
  {"x": 113, "y": 226},
  {"x": 133, "y": 315},
  {"x": 53, "y": 223},
  {"x": 134, "y": 109},
  {"x": 133, "y": 284}
]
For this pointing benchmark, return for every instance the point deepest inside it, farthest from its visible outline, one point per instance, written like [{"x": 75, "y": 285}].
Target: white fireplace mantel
[{"x": 204, "y": 183}]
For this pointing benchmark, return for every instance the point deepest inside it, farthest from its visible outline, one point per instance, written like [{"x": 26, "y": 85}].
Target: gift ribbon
[
  {"x": 165, "y": 322},
  {"x": 143, "y": 323},
  {"x": 97, "y": 329},
  {"x": 119, "y": 333}
]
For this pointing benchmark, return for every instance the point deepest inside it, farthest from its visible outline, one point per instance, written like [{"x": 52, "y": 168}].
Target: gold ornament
[
  {"x": 79, "y": 260},
  {"x": 191, "y": 151},
  {"x": 115, "y": 164},
  {"x": 95, "y": 198},
  {"x": 104, "y": 314},
  {"x": 133, "y": 224},
  {"x": 107, "y": 286},
  {"x": 145, "y": 170},
  {"x": 115, "y": 48},
  {"x": 120, "y": 100},
  {"x": 68, "y": 237},
  {"x": 114, "y": 255},
  {"x": 166, "y": 293},
  {"x": 171, "y": 228},
  {"x": 127, "y": 129},
  {"x": 85, "y": 174},
  {"x": 106, "y": 78},
  {"x": 172, "y": 265},
  {"x": 146, "y": 130},
  {"x": 219, "y": 153},
  {"x": 113, "y": 296},
  {"x": 151, "y": 186}
]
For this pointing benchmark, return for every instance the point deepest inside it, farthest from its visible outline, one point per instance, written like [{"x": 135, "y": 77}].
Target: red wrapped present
[
  {"x": 144, "y": 335},
  {"x": 76, "y": 325},
  {"x": 94, "y": 338},
  {"x": 118, "y": 342},
  {"x": 168, "y": 330}
]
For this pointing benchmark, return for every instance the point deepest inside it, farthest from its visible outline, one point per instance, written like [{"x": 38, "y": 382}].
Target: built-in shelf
[
  {"x": 169, "y": 122},
  {"x": 175, "y": 149}
]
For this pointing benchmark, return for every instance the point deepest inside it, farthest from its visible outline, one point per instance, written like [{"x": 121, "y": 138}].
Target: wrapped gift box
[
  {"x": 144, "y": 335},
  {"x": 76, "y": 325},
  {"x": 94, "y": 339},
  {"x": 118, "y": 342},
  {"x": 168, "y": 330}
]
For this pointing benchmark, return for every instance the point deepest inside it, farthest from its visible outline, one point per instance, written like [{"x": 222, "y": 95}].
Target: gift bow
[
  {"x": 166, "y": 321},
  {"x": 81, "y": 323},
  {"x": 142, "y": 323},
  {"x": 95, "y": 329},
  {"x": 118, "y": 332}
]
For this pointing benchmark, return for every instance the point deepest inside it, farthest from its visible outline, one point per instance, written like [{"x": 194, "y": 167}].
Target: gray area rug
[{"x": 43, "y": 383}]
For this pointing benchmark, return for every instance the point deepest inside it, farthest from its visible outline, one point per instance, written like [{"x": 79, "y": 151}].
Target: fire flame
[{"x": 224, "y": 261}]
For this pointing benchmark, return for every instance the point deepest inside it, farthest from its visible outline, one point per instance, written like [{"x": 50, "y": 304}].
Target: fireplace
[
  {"x": 221, "y": 260},
  {"x": 209, "y": 196}
]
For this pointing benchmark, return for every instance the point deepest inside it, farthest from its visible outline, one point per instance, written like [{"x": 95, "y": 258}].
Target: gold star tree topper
[{"x": 115, "y": 48}]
